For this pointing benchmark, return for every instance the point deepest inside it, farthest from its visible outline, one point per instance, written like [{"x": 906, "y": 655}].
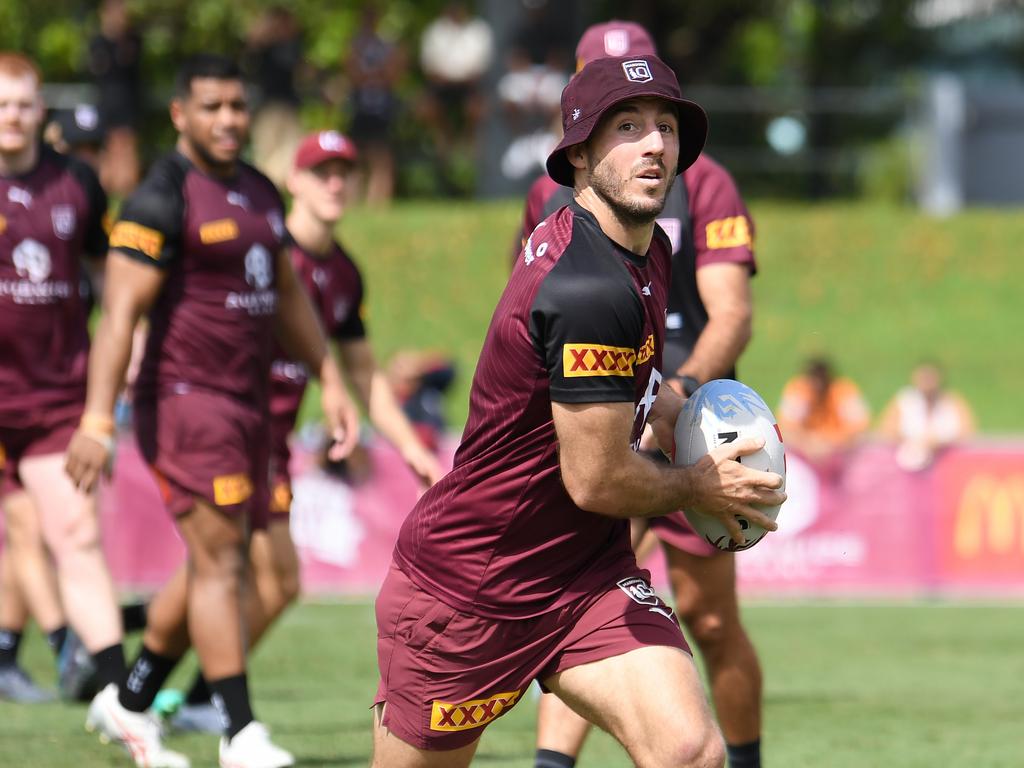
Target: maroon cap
[
  {"x": 611, "y": 39},
  {"x": 323, "y": 146},
  {"x": 605, "y": 82}
]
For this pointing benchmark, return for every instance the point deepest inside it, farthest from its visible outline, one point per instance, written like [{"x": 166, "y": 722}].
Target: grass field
[
  {"x": 876, "y": 287},
  {"x": 891, "y": 686}
]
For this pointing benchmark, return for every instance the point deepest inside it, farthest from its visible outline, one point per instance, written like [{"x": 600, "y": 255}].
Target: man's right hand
[
  {"x": 88, "y": 458},
  {"x": 724, "y": 487}
]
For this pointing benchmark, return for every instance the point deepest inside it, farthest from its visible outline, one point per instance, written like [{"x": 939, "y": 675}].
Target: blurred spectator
[
  {"x": 78, "y": 132},
  {"x": 455, "y": 52},
  {"x": 273, "y": 57},
  {"x": 925, "y": 417},
  {"x": 115, "y": 59},
  {"x": 821, "y": 415},
  {"x": 374, "y": 67},
  {"x": 419, "y": 379}
]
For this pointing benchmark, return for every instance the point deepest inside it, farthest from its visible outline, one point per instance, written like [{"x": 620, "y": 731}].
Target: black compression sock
[
  {"x": 144, "y": 680},
  {"x": 109, "y": 665},
  {"x": 10, "y": 642},
  {"x": 744, "y": 755},
  {"x": 56, "y": 639},
  {"x": 549, "y": 758},
  {"x": 230, "y": 695},
  {"x": 199, "y": 693},
  {"x": 133, "y": 616}
]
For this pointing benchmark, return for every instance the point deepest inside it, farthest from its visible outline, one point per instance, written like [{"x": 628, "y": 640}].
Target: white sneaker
[
  {"x": 139, "y": 733},
  {"x": 252, "y": 748}
]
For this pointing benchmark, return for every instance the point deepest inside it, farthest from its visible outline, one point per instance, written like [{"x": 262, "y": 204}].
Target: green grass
[
  {"x": 876, "y": 287},
  {"x": 846, "y": 686}
]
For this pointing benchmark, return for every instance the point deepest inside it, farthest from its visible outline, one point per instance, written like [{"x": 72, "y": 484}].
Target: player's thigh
[
  {"x": 703, "y": 586},
  {"x": 389, "y": 751},
  {"x": 650, "y": 699},
  {"x": 214, "y": 539},
  {"x": 21, "y": 519},
  {"x": 273, "y": 556},
  {"x": 67, "y": 516}
]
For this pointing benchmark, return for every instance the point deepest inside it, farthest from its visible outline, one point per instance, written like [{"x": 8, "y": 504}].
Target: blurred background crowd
[{"x": 900, "y": 100}]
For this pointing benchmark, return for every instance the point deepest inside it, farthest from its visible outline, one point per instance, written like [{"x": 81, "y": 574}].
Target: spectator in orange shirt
[{"x": 820, "y": 414}]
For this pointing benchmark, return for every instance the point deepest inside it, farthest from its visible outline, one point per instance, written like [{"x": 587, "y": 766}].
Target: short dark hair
[{"x": 204, "y": 65}]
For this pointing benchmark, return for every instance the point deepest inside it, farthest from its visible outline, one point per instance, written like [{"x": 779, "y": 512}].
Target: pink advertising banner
[{"x": 867, "y": 529}]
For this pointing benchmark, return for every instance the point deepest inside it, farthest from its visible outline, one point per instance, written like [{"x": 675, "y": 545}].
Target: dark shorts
[
  {"x": 675, "y": 531},
  {"x": 209, "y": 446},
  {"x": 280, "y": 477},
  {"x": 49, "y": 433},
  {"x": 446, "y": 675}
]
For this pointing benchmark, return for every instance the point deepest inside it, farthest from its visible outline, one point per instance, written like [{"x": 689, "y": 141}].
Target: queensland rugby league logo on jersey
[
  {"x": 258, "y": 272},
  {"x": 64, "y": 219}
]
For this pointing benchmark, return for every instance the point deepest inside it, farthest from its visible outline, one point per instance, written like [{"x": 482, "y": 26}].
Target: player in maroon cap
[
  {"x": 517, "y": 565},
  {"x": 51, "y": 209},
  {"x": 201, "y": 246},
  {"x": 320, "y": 183},
  {"x": 708, "y": 326}
]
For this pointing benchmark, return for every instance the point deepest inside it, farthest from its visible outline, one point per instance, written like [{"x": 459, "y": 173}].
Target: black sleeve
[
  {"x": 149, "y": 226},
  {"x": 349, "y": 327},
  {"x": 587, "y": 327},
  {"x": 94, "y": 243}
]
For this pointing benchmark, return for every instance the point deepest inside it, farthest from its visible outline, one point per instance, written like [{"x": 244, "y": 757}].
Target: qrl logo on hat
[
  {"x": 616, "y": 42},
  {"x": 331, "y": 141},
  {"x": 637, "y": 71}
]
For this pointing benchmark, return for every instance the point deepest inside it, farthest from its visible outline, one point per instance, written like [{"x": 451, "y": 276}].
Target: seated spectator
[
  {"x": 925, "y": 417},
  {"x": 820, "y": 414}
]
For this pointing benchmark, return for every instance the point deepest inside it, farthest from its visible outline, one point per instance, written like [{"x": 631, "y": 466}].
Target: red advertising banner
[{"x": 868, "y": 528}]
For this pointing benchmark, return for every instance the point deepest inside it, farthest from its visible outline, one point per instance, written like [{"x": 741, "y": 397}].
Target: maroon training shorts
[
  {"x": 280, "y": 477},
  {"x": 445, "y": 675},
  {"x": 49, "y": 433},
  {"x": 210, "y": 446},
  {"x": 675, "y": 531}
]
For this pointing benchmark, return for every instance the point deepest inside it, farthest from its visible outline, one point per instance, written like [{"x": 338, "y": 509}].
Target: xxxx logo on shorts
[
  {"x": 231, "y": 489},
  {"x": 596, "y": 360},
  {"x": 447, "y": 716}
]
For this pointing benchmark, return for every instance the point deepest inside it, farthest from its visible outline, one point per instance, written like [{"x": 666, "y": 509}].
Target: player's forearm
[
  {"x": 386, "y": 415},
  {"x": 719, "y": 346},
  {"x": 108, "y": 361},
  {"x": 298, "y": 329},
  {"x": 631, "y": 486}
]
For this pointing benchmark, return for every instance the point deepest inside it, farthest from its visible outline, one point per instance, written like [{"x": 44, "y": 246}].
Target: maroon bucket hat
[{"x": 602, "y": 84}]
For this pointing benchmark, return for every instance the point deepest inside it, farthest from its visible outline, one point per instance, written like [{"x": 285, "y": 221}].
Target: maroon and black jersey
[
  {"x": 335, "y": 286},
  {"x": 50, "y": 218},
  {"x": 581, "y": 321},
  {"x": 707, "y": 222},
  {"x": 212, "y": 325}
]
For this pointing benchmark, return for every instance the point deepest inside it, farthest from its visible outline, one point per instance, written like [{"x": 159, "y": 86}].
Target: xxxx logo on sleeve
[
  {"x": 448, "y": 716},
  {"x": 596, "y": 360},
  {"x": 732, "y": 232},
  {"x": 128, "y": 234}
]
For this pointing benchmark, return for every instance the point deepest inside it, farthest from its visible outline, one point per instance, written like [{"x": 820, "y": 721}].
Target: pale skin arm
[
  {"x": 131, "y": 287},
  {"x": 299, "y": 332},
  {"x": 375, "y": 395},
  {"x": 603, "y": 475},
  {"x": 725, "y": 292}
]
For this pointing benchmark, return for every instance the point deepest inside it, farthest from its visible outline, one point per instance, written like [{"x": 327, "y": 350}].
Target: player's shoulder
[
  {"x": 77, "y": 169},
  {"x": 258, "y": 181},
  {"x": 707, "y": 174},
  {"x": 166, "y": 176}
]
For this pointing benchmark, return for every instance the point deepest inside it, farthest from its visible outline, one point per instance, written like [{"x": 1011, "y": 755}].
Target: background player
[
  {"x": 707, "y": 327},
  {"x": 517, "y": 565},
  {"x": 320, "y": 183},
  {"x": 51, "y": 209},
  {"x": 201, "y": 245}
]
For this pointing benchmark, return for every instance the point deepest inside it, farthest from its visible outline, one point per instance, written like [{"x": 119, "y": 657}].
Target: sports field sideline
[{"x": 846, "y": 686}]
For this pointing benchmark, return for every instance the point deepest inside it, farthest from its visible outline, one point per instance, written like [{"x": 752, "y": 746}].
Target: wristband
[
  {"x": 690, "y": 385},
  {"x": 97, "y": 424}
]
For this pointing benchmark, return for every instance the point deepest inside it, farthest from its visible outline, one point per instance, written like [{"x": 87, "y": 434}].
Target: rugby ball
[{"x": 722, "y": 411}]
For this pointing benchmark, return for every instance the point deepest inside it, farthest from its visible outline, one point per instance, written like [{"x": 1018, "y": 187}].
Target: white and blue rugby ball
[{"x": 722, "y": 411}]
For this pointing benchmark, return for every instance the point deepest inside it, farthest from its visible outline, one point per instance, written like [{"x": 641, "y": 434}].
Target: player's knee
[
  {"x": 709, "y": 629},
  {"x": 683, "y": 747},
  {"x": 77, "y": 534}
]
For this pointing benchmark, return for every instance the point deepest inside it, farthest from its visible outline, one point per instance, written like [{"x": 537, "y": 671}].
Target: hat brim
[{"x": 693, "y": 133}]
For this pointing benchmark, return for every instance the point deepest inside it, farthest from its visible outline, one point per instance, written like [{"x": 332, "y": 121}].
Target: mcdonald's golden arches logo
[{"x": 990, "y": 517}]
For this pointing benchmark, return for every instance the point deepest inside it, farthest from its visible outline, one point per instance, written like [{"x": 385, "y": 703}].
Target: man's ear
[
  {"x": 177, "y": 111},
  {"x": 576, "y": 156}
]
